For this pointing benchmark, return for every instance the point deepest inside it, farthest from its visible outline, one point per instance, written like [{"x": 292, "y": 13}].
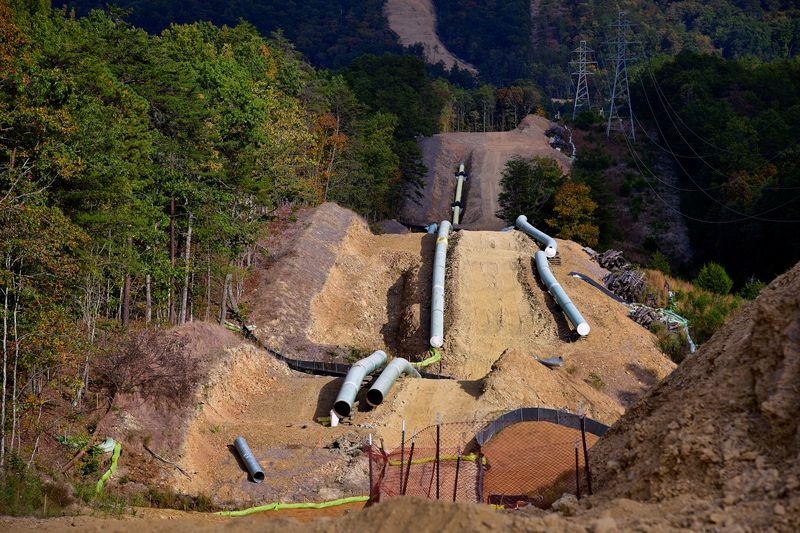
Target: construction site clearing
[{"x": 709, "y": 445}]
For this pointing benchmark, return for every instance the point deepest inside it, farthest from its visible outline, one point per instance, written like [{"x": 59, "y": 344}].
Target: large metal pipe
[
  {"x": 560, "y": 296},
  {"x": 550, "y": 244},
  {"x": 437, "y": 298},
  {"x": 249, "y": 460},
  {"x": 352, "y": 381},
  {"x": 460, "y": 176},
  {"x": 381, "y": 386}
]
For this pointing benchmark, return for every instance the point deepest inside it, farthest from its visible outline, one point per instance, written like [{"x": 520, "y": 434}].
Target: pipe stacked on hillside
[
  {"x": 550, "y": 244},
  {"x": 352, "y": 381},
  {"x": 393, "y": 370},
  {"x": 437, "y": 298},
  {"x": 249, "y": 460},
  {"x": 560, "y": 296},
  {"x": 460, "y": 176}
]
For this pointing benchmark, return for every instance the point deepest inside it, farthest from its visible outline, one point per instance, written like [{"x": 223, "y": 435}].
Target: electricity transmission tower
[
  {"x": 582, "y": 87},
  {"x": 620, "y": 95}
]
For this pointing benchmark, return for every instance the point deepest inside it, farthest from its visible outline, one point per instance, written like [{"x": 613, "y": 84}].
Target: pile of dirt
[
  {"x": 485, "y": 156},
  {"x": 518, "y": 379},
  {"x": 279, "y": 293},
  {"x": 377, "y": 295},
  {"x": 724, "y": 424}
]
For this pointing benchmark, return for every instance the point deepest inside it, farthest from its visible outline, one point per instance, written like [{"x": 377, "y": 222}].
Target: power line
[
  {"x": 620, "y": 93},
  {"x": 582, "y": 87}
]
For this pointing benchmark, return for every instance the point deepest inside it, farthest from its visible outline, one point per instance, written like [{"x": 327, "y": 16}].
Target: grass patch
[{"x": 595, "y": 381}]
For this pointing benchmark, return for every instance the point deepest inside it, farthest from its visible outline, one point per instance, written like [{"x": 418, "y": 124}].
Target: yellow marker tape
[
  {"x": 441, "y": 239},
  {"x": 422, "y": 460},
  {"x": 277, "y": 506}
]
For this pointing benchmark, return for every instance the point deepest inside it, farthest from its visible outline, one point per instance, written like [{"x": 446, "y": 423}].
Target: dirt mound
[
  {"x": 485, "y": 156},
  {"x": 279, "y": 294},
  {"x": 518, "y": 379},
  {"x": 724, "y": 424},
  {"x": 377, "y": 295}
]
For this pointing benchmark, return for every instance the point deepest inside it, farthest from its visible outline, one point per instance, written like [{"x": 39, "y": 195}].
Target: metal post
[
  {"x": 402, "y": 453},
  {"x": 438, "y": 464},
  {"x": 371, "y": 484},
  {"x": 480, "y": 476},
  {"x": 458, "y": 467},
  {"x": 410, "y": 459},
  {"x": 577, "y": 474},
  {"x": 586, "y": 455}
]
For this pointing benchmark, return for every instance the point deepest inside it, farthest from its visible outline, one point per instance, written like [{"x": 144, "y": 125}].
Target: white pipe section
[
  {"x": 560, "y": 296},
  {"x": 352, "y": 381},
  {"x": 461, "y": 175},
  {"x": 387, "y": 378},
  {"x": 437, "y": 297},
  {"x": 550, "y": 244}
]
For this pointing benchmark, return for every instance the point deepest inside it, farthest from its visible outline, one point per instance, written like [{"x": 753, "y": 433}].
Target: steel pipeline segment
[
  {"x": 550, "y": 244},
  {"x": 460, "y": 176},
  {"x": 560, "y": 296},
  {"x": 249, "y": 460},
  {"x": 352, "y": 382},
  {"x": 437, "y": 298},
  {"x": 381, "y": 386}
]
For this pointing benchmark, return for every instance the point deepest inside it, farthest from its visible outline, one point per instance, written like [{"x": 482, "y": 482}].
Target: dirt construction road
[{"x": 485, "y": 156}]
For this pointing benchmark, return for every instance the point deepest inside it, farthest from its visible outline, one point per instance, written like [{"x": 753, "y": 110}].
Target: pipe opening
[
  {"x": 342, "y": 408},
  {"x": 374, "y": 397},
  {"x": 258, "y": 477}
]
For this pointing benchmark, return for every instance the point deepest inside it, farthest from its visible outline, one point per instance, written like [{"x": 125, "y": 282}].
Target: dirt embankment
[
  {"x": 724, "y": 425},
  {"x": 485, "y": 156},
  {"x": 414, "y": 21}
]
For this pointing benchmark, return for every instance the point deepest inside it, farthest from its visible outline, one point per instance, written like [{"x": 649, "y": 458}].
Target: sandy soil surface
[
  {"x": 414, "y": 21},
  {"x": 485, "y": 156}
]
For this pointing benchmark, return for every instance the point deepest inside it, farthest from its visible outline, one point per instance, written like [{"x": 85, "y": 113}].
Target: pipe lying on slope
[
  {"x": 460, "y": 176},
  {"x": 249, "y": 460},
  {"x": 387, "y": 378},
  {"x": 558, "y": 293},
  {"x": 550, "y": 244},
  {"x": 352, "y": 381},
  {"x": 437, "y": 298}
]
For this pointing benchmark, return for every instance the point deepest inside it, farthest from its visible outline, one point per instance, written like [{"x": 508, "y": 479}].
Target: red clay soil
[{"x": 535, "y": 460}]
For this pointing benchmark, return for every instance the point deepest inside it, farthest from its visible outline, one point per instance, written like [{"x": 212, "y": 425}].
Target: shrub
[
  {"x": 658, "y": 261},
  {"x": 751, "y": 289},
  {"x": 714, "y": 278}
]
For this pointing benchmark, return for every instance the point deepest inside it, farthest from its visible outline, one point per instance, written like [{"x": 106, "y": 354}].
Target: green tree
[
  {"x": 528, "y": 187},
  {"x": 574, "y": 214},
  {"x": 714, "y": 278}
]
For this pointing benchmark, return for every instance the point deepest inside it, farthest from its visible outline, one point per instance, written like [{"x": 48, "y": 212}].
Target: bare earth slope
[
  {"x": 485, "y": 156},
  {"x": 724, "y": 424},
  {"x": 414, "y": 21}
]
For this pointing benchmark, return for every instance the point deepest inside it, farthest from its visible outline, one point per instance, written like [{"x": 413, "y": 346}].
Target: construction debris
[
  {"x": 628, "y": 284},
  {"x": 612, "y": 260}
]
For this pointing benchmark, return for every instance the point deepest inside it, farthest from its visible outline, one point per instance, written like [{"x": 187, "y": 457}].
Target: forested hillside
[
  {"x": 136, "y": 171},
  {"x": 329, "y": 34},
  {"x": 521, "y": 39},
  {"x": 730, "y": 128}
]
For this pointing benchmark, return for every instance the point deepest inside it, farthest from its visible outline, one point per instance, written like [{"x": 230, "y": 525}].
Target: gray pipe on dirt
[
  {"x": 550, "y": 244},
  {"x": 560, "y": 296},
  {"x": 437, "y": 297},
  {"x": 460, "y": 176},
  {"x": 249, "y": 460},
  {"x": 393, "y": 370},
  {"x": 352, "y": 381}
]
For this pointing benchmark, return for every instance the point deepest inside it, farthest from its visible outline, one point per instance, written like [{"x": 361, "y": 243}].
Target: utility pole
[
  {"x": 620, "y": 95},
  {"x": 582, "y": 87}
]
